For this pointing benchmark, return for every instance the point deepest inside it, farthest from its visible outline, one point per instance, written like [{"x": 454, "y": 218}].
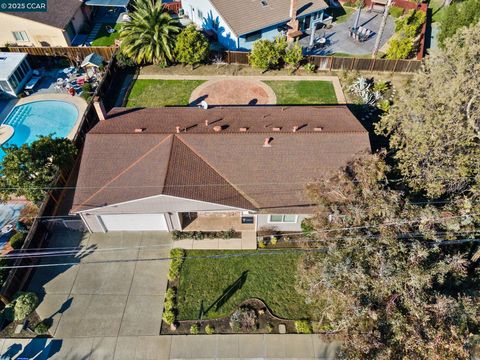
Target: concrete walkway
[
  {"x": 173, "y": 347},
  {"x": 334, "y": 79}
]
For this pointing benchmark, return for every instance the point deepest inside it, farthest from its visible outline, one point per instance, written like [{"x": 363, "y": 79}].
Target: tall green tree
[
  {"x": 150, "y": 35},
  {"x": 434, "y": 127},
  {"x": 192, "y": 46},
  {"x": 30, "y": 169},
  {"x": 456, "y": 16},
  {"x": 385, "y": 282}
]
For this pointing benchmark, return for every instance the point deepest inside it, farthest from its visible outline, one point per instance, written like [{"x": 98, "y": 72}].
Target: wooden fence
[
  {"x": 332, "y": 63},
  {"x": 38, "y": 233},
  {"x": 73, "y": 53}
]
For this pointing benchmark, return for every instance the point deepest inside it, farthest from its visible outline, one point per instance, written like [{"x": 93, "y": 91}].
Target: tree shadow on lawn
[{"x": 226, "y": 295}]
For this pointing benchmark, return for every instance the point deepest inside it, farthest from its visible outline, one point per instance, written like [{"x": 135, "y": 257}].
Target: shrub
[
  {"x": 169, "y": 304},
  {"x": 243, "y": 319},
  {"x": 303, "y": 327},
  {"x": 124, "y": 61},
  {"x": 307, "y": 226},
  {"x": 273, "y": 240},
  {"x": 170, "y": 294},
  {"x": 41, "y": 328},
  {"x": 269, "y": 327},
  {"x": 23, "y": 305},
  {"x": 16, "y": 241},
  {"x": 28, "y": 214},
  {"x": 381, "y": 86},
  {"x": 169, "y": 316},
  {"x": 262, "y": 244},
  {"x": 194, "y": 329},
  {"x": 191, "y": 47},
  {"x": 176, "y": 256},
  {"x": 266, "y": 54},
  {"x": 209, "y": 329},
  {"x": 86, "y": 91},
  {"x": 395, "y": 11},
  {"x": 293, "y": 56},
  {"x": 384, "y": 105},
  {"x": 400, "y": 48},
  {"x": 310, "y": 67}
]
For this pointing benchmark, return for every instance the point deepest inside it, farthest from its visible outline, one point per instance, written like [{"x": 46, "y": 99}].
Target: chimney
[
  {"x": 295, "y": 128},
  {"x": 293, "y": 9},
  {"x": 206, "y": 122},
  {"x": 266, "y": 143},
  {"x": 99, "y": 108},
  {"x": 177, "y": 129},
  {"x": 293, "y": 23}
]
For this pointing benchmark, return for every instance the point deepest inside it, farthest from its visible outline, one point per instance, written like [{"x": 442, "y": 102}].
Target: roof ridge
[
  {"x": 250, "y": 200},
  {"x": 135, "y": 162}
]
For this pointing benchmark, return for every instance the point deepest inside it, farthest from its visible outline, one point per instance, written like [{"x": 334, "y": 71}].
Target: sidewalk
[
  {"x": 334, "y": 79},
  {"x": 289, "y": 346}
]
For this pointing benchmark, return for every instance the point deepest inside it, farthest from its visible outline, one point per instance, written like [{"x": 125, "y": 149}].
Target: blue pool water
[{"x": 40, "y": 118}]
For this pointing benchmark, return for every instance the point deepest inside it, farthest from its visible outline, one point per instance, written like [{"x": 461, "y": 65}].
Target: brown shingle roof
[
  {"x": 58, "y": 14},
  {"x": 228, "y": 167},
  {"x": 246, "y": 16}
]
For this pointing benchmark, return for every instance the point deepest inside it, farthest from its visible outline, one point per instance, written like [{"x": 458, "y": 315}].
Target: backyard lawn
[
  {"x": 157, "y": 93},
  {"x": 104, "y": 38},
  {"x": 303, "y": 92},
  {"x": 269, "y": 277},
  {"x": 341, "y": 14}
]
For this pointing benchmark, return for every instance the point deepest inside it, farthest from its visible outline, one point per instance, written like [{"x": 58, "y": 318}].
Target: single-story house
[
  {"x": 186, "y": 168},
  {"x": 58, "y": 26},
  {"x": 239, "y": 23},
  {"x": 15, "y": 71}
]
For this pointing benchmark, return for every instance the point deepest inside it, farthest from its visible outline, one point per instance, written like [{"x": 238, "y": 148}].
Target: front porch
[
  {"x": 245, "y": 225},
  {"x": 216, "y": 221}
]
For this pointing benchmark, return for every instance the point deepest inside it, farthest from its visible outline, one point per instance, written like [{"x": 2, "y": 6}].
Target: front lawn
[
  {"x": 157, "y": 93},
  {"x": 104, "y": 38},
  {"x": 269, "y": 277},
  {"x": 303, "y": 92}
]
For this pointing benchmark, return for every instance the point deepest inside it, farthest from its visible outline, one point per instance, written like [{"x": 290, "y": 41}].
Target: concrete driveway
[{"x": 112, "y": 290}]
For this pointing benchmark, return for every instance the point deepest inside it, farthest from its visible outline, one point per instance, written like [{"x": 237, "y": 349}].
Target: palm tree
[{"x": 150, "y": 35}]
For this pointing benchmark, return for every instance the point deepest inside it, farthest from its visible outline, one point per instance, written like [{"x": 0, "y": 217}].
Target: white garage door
[{"x": 135, "y": 222}]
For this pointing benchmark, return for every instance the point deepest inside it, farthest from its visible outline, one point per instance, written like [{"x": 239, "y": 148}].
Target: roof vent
[
  {"x": 295, "y": 128},
  {"x": 140, "y": 130},
  {"x": 264, "y": 2},
  {"x": 277, "y": 129},
  {"x": 243, "y": 129},
  {"x": 177, "y": 129},
  {"x": 206, "y": 122},
  {"x": 267, "y": 141},
  {"x": 318, "y": 129},
  {"x": 217, "y": 128},
  {"x": 204, "y": 105}
]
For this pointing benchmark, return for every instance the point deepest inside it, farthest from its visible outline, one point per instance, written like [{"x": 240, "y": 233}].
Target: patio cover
[{"x": 107, "y": 3}]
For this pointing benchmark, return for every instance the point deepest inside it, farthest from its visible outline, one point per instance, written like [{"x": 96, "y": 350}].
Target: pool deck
[{"x": 77, "y": 101}]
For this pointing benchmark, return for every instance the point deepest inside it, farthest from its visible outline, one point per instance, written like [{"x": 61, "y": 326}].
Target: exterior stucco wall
[
  {"x": 263, "y": 223},
  {"x": 168, "y": 205},
  {"x": 38, "y": 34},
  {"x": 267, "y": 34},
  {"x": 210, "y": 20}
]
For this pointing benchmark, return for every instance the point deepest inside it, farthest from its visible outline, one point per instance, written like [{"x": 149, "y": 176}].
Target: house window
[
  {"x": 253, "y": 36},
  {"x": 4, "y": 86},
  {"x": 20, "y": 36},
  {"x": 287, "y": 218},
  {"x": 200, "y": 14}
]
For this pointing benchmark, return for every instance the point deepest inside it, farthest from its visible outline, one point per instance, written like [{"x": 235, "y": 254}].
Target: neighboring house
[
  {"x": 239, "y": 23},
  {"x": 55, "y": 27},
  {"x": 15, "y": 71},
  {"x": 185, "y": 168}
]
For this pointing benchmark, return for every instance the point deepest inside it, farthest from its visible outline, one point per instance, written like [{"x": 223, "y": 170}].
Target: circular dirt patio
[{"x": 233, "y": 92}]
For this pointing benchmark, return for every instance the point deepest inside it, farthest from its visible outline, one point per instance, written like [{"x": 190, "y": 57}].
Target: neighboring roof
[
  {"x": 107, "y": 3},
  {"x": 229, "y": 167},
  {"x": 58, "y": 14},
  {"x": 246, "y": 16},
  {"x": 92, "y": 59},
  {"x": 9, "y": 62}
]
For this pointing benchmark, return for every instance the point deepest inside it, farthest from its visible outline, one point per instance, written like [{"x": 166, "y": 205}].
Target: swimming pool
[{"x": 37, "y": 118}]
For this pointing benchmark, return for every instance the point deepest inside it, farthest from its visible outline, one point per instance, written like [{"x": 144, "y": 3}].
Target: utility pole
[{"x": 381, "y": 29}]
